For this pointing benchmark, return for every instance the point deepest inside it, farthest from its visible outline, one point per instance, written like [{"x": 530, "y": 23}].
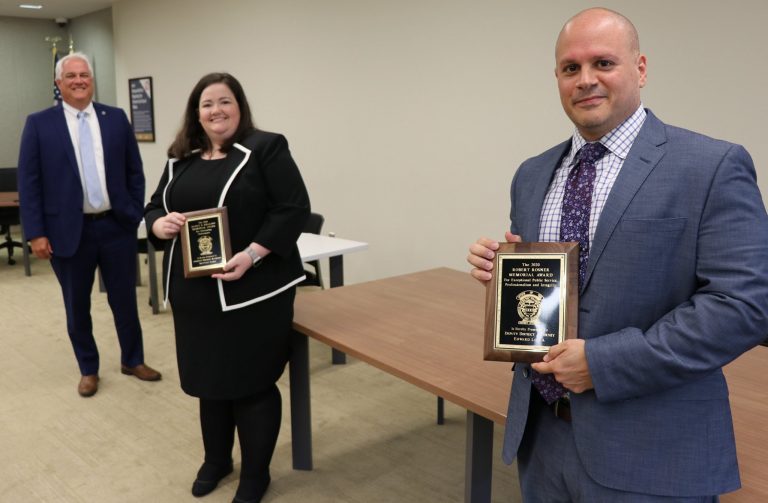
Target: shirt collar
[
  {"x": 74, "y": 111},
  {"x": 618, "y": 141}
]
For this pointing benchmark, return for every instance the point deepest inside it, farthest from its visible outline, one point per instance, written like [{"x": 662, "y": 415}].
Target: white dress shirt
[
  {"x": 618, "y": 142},
  {"x": 70, "y": 113}
]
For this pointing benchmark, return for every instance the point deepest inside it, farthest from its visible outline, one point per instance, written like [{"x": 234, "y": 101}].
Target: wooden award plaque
[
  {"x": 205, "y": 244},
  {"x": 532, "y": 300}
]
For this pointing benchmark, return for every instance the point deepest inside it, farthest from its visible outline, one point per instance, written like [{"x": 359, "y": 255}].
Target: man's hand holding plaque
[{"x": 205, "y": 243}]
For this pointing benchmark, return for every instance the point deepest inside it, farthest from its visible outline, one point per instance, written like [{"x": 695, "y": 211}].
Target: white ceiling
[{"x": 53, "y": 9}]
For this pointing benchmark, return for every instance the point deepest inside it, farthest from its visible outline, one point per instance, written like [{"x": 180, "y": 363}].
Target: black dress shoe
[
  {"x": 252, "y": 490},
  {"x": 208, "y": 477}
]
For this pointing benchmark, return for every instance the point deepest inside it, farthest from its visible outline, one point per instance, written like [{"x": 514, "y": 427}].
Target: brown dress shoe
[
  {"x": 143, "y": 372},
  {"x": 89, "y": 385}
]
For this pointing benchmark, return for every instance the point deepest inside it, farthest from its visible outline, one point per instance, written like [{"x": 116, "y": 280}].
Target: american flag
[{"x": 56, "y": 92}]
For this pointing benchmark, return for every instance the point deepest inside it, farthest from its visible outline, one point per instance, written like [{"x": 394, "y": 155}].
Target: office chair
[
  {"x": 9, "y": 216},
  {"x": 314, "y": 226}
]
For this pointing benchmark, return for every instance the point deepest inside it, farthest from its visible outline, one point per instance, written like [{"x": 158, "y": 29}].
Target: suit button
[{"x": 526, "y": 372}]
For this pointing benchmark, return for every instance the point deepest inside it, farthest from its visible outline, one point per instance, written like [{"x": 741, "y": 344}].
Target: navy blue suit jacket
[
  {"x": 50, "y": 190},
  {"x": 676, "y": 287}
]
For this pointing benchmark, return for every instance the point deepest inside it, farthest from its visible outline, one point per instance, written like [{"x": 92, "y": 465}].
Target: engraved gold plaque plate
[
  {"x": 205, "y": 245},
  {"x": 531, "y": 302}
]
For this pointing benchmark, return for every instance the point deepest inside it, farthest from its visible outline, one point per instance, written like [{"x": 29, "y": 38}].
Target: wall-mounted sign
[{"x": 142, "y": 109}]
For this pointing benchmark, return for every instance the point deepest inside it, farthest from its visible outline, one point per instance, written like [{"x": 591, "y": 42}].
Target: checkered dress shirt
[{"x": 618, "y": 142}]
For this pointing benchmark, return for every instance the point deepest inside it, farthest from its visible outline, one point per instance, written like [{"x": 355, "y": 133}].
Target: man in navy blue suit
[
  {"x": 674, "y": 286},
  {"x": 81, "y": 189}
]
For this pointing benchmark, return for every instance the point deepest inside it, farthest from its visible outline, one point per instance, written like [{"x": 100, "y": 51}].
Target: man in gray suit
[{"x": 674, "y": 286}]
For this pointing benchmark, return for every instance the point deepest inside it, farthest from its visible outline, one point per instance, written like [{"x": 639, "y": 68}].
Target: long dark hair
[{"x": 192, "y": 136}]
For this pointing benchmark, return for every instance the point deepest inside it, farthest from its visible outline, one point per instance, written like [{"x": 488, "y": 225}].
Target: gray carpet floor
[{"x": 375, "y": 437}]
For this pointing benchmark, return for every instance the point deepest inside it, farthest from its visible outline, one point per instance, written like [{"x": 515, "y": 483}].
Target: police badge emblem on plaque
[
  {"x": 531, "y": 300},
  {"x": 205, "y": 245}
]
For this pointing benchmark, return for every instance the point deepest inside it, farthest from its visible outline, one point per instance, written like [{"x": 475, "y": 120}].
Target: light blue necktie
[{"x": 88, "y": 158}]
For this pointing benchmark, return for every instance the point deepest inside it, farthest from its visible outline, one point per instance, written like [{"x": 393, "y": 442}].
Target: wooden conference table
[
  {"x": 749, "y": 405},
  {"x": 9, "y": 199},
  {"x": 427, "y": 329}
]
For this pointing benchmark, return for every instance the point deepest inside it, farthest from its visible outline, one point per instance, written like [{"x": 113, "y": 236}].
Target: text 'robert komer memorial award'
[{"x": 531, "y": 301}]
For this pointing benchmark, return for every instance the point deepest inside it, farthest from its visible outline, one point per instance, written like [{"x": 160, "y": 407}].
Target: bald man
[{"x": 674, "y": 286}]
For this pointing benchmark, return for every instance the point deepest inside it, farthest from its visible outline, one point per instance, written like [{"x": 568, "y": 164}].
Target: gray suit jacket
[{"x": 676, "y": 287}]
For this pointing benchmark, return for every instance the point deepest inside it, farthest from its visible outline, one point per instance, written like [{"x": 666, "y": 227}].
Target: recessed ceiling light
[{"x": 30, "y": 6}]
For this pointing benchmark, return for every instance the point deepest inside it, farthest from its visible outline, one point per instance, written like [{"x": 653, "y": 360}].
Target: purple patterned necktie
[{"x": 574, "y": 226}]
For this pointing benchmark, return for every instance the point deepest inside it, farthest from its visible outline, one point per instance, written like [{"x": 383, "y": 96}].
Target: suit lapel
[
  {"x": 106, "y": 133},
  {"x": 104, "y": 119},
  {"x": 549, "y": 163},
  {"x": 236, "y": 159},
  {"x": 62, "y": 130},
  {"x": 643, "y": 157}
]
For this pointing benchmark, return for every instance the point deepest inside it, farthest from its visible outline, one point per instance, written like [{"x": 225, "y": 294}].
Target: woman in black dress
[{"x": 233, "y": 328}]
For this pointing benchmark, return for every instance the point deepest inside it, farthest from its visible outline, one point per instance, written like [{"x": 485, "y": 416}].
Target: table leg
[
  {"x": 440, "y": 410},
  {"x": 301, "y": 407},
  {"x": 336, "y": 265},
  {"x": 479, "y": 459},
  {"x": 153, "y": 300},
  {"x": 338, "y": 357}
]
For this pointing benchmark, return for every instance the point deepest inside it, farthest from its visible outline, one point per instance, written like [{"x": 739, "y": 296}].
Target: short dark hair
[{"x": 192, "y": 136}]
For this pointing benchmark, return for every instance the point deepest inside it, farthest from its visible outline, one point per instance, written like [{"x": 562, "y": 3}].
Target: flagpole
[{"x": 55, "y": 58}]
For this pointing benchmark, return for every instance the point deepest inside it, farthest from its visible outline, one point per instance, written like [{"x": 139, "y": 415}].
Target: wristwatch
[{"x": 254, "y": 256}]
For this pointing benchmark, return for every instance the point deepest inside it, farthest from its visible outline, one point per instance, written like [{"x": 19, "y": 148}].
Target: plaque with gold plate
[
  {"x": 205, "y": 245},
  {"x": 531, "y": 302}
]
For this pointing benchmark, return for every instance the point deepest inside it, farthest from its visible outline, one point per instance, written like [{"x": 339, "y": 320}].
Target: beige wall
[
  {"x": 26, "y": 82},
  {"x": 409, "y": 117},
  {"x": 92, "y": 34}
]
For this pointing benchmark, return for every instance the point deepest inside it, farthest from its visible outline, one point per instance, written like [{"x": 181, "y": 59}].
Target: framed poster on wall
[{"x": 142, "y": 108}]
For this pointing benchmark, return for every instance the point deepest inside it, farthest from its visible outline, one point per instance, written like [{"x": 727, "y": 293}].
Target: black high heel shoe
[{"x": 208, "y": 477}]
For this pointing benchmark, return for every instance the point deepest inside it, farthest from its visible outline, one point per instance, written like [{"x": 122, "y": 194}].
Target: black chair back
[
  {"x": 314, "y": 223},
  {"x": 8, "y": 180},
  {"x": 9, "y": 216}
]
